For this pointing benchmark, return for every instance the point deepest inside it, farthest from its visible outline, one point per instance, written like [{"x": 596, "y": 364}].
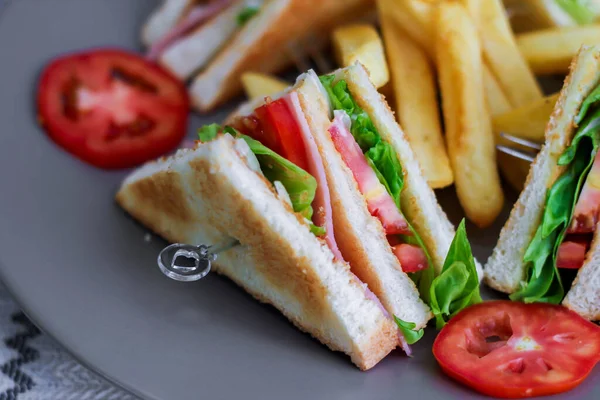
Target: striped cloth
[{"x": 34, "y": 367}]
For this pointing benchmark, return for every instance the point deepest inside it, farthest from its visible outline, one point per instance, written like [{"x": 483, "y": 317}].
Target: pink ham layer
[
  {"x": 323, "y": 215},
  {"x": 197, "y": 16}
]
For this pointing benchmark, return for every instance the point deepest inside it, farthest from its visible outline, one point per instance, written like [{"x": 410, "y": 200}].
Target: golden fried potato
[
  {"x": 414, "y": 83},
  {"x": 495, "y": 98},
  {"x": 501, "y": 53},
  {"x": 260, "y": 85},
  {"x": 468, "y": 125},
  {"x": 551, "y": 51},
  {"x": 416, "y": 17},
  {"x": 528, "y": 122},
  {"x": 361, "y": 42}
]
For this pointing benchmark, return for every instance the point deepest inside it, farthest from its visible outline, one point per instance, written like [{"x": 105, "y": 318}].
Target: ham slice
[
  {"x": 585, "y": 216},
  {"x": 193, "y": 20},
  {"x": 323, "y": 215},
  {"x": 404, "y": 344},
  {"x": 379, "y": 202}
]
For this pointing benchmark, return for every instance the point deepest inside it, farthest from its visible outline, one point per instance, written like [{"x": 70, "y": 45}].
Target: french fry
[
  {"x": 501, "y": 53},
  {"x": 413, "y": 80},
  {"x": 468, "y": 125},
  {"x": 260, "y": 85},
  {"x": 495, "y": 98},
  {"x": 416, "y": 17},
  {"x": 474, "y": 7},
  {"x": 528, "y": 122},
  {"x": 550, "y": 51},
  {"x": 361, "y": 42}
]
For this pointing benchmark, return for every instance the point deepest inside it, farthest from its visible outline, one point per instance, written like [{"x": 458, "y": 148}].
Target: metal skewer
[
  {"x": 520, "y": 148},
  {"x": 188, "y": 263}
]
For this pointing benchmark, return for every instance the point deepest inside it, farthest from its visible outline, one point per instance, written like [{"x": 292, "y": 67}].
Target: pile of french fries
[{"x": 466, "y": 53}]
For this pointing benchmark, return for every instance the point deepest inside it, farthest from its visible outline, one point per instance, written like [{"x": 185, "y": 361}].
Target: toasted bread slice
[
  {"x": 505, "y": 268},
  {"x": 164, "y": 18},
  {"x": 359, "y": 235},
  {"x": 211, "y": 194},
  {"x": 194, "y": 51}
]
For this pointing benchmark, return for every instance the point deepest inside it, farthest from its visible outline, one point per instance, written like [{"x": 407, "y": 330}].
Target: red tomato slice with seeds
[
  {"x": 111, "y": 108},
  {"x": 274, "y": 125},
  {"x": 513, "y": 350}
]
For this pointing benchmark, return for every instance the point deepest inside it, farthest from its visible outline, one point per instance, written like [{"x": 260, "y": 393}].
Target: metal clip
[{"x": 187, "y": 263}]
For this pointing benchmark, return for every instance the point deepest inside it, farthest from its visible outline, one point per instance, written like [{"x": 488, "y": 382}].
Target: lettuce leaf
[
  {"x": 300, "y": 185},
  {"x": 457, "y": 287},
  {"x": 578, "y": 10},
  {"x": 362, "y": 127},
  {"x": 384, "y": 161},
  {"x": 408, "y": 330},
  {"x": 589, "y": 101},
  {"x": 209, "y": 132},
  {"x": 246, "y": 14},
  {"x": 380, "y": 155},
  {"x": 543, "y": 282}
]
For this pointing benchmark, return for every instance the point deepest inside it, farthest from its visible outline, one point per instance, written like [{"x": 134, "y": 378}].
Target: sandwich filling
[
  {"x": 377, "y": 171},
  {"x": 198, "y": 15},
  {"x": 379, "y": 177},
  {"x": 279, "y": 137},
  {"x": 378, "y": 174},
  {"x": 286, "y": 153},
  {"x": 570, "y": 215}
]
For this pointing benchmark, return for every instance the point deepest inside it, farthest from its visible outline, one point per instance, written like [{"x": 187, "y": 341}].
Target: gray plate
[{"x": 81, "y": 269}]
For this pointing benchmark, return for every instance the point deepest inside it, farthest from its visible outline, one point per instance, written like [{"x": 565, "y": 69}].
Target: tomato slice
[
  {"x": 273, "y": 124},
  {"x": 513, "y": 350},
  {"x": 571, "y": 252},
  {"x": 412, "y": 258},
  {"x": 111, "y": 108},
  {"x": 587, "y": 209}
]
